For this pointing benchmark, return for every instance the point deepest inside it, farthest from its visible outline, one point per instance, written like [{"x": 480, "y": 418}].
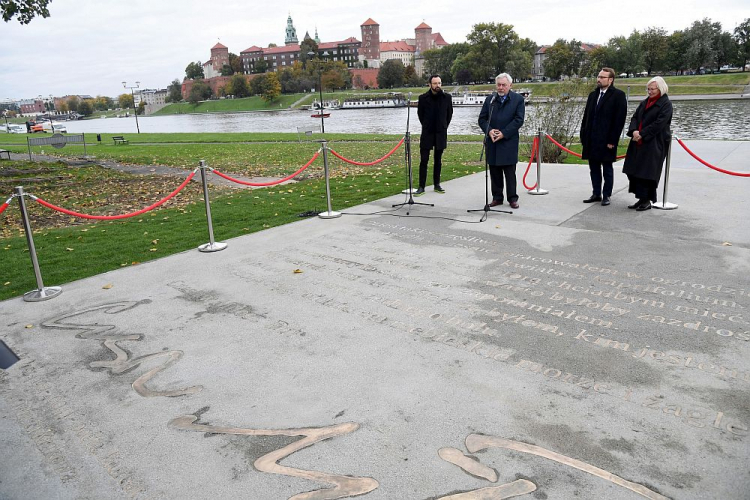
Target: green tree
[
  {"x": 441, "y": 61},
  {"x": 490, "y": 44},
  {"x": 410, "y": 77},
  {"x": 655, "y": 49},
  {"x": 226, "y": 70},
  {"x": 86, "y": 107},
  {"x": 627, "y": 53},
  {"x": 289, "y": 83},
  {"x": 596, "y": 59},
  {"x": 239, "y": 86},
  {"x": 519, "y": 64},
  {"x": 391, "y": 74},
  {"x": 200, "y": 92},
  {"x": 194, "y": 71},
  {"x": 308, "y": 45},
  {"x": 174, "y": 91},
  {"x": 726, "y": 49},
  {"x": 258, "y": 83},
  {"x": 559, "y": 58},
  {"x": 125, "y": 101},
  {"x": 701, "y": 46},
  {"x": 73, "y": 103},
  {"x": 260, "y": 66},
  {"x": 235, "y": 62},
  {"x": 742, "y": 38},
  {"x": 141, "y": 110},
  {"x": 677, "y": 59},
  {"x": 272, "y": 88},
  {"x": 24, "y": 10}
]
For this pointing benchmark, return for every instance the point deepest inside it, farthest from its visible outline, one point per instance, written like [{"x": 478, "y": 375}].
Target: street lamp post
[
  {"x": 135, "y": 110},
  {"x": 320, "y": 89}
]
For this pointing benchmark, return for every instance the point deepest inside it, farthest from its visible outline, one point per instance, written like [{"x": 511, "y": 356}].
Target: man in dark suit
[
  {"x": 603, "y": 119},
  {"x": 501, "y": 133},
  {"x": 435, "y": 110}
]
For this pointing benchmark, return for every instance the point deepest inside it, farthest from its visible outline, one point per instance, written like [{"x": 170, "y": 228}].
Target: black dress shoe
[
  {"x": 643, "y": 206},
  {"x": 605, "y": 201},
  {"x": 592, "y": 199},
  {"x": 635, "y": 205},
  {"x": 514, "y": 204}
]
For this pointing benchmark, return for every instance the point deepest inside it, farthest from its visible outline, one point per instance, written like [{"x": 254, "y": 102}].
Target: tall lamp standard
[
  {"x": 135, "y": 111},
  {"x": 320, "y": 89}
]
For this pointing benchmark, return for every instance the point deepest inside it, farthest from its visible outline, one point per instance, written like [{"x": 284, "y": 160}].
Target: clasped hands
[{"x": 495, "y": 135}]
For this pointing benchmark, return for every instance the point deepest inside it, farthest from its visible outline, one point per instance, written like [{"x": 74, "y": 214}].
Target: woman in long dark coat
[{"x": 651, "y": 135}]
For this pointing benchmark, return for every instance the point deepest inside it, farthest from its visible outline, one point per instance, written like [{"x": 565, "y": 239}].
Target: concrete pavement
[{"x": 564, "y": 351}]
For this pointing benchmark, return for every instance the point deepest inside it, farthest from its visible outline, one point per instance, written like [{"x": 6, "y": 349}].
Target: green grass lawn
[{"x": 83, "y": 249}]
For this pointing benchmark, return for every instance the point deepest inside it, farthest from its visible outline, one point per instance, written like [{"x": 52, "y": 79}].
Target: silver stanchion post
[
  {"x": 41, "y": 293},
  {"x": 211, "y": 246},
  {"x": 663, "y": 204},
  {"x": 330, "y": 214},
  {"x": 540, "y": 144}
]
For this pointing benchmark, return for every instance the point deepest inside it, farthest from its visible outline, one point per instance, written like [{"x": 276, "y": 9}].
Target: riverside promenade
[{"x": 564, "y": 351}]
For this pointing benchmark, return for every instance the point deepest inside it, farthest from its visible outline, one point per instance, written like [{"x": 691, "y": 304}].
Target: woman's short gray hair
[
  {"x": 506, "y": 76},
  {"x": 660, "y": 83}
]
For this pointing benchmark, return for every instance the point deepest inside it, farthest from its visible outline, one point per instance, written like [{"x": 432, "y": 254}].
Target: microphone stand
[
  {"x": 486, "y": 155},
  {"x": 407, "y": 153}
]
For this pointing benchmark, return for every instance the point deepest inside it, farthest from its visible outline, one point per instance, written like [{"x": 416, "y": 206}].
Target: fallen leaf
[
  {"x": 6, "y": 283},
  {"x": 727, "y": 244},
  {"x": 107, "y": 286},
  {"x": 69, "y": 249},
  {"x": 29, "y": 326},
  {"x": 298, "y": 271}
]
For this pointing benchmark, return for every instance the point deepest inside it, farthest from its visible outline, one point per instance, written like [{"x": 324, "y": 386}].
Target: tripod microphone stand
[
  {"x": 407, "y": 153},
  {"x": 487, "y": 168}
]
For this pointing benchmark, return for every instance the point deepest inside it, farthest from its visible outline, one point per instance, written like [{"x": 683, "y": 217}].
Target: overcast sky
[{"x": 91, "y": 46}]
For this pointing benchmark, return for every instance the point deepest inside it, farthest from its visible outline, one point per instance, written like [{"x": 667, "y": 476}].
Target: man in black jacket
[
  {"x": 435, "y": 110},
  {"x": 601, "y": 127}
]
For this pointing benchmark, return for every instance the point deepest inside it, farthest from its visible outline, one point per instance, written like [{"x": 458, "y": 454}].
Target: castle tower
[
  {"x": 291, "y": 33},
  {"x": 219, "y": 56},
  {"x": 317, "y": 38},
  {"x": 423, "y": 38},
  {"x": 370, "y": 40}
]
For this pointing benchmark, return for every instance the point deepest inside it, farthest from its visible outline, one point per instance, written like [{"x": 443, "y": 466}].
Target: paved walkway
[{"x": 563, "y": 351}]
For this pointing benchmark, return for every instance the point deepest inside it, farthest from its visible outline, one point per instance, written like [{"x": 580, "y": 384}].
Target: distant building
[
  {"x": 31, "y": 106},
  {"x": 370, "y": 43},
  {"x": 219, "y": 57},
  {"x": 291, "y": 33},
  {"x": 150, "y": 97},
  {"x": 408, "y": 50}
]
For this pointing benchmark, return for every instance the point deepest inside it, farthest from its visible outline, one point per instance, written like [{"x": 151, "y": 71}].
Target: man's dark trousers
[
  {"x": 509, "y": 172},
  {"x": 424, "y": 159},
  {"x": 596, "y": 168}
]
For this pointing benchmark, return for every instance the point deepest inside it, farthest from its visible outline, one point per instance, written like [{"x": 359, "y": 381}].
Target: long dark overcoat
[
  {"x": 508, "y": 118},
  {"x": 646, "y": 161},
  {"x": 602, "y": 125},
  {"x": 435, "y": 114}
]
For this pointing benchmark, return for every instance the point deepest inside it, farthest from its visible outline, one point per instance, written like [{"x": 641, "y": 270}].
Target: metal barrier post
[
  {"x": 539, "y": 190},
  {"x": 211, "y": 246},
  {"x": 663, "y": 204},
  {"x": 41, "y": 293},
  {"x": 330, "y": 214}
]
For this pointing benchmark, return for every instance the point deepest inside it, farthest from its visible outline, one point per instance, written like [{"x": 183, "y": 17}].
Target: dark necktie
[{"x": 601, "y": 94}]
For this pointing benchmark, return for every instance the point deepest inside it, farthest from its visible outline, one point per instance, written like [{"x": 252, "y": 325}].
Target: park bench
[
  {"x": 119, "y": 139},
  {"x": 5, "y": 152}
]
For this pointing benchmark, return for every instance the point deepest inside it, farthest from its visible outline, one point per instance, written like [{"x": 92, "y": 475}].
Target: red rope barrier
[
  {"x": 3, "y": 207},
  {"x": 367, "y": 164},
  {"x": 122, "y": 216},
  {"x": 572, "y": 152},
  {"x": 738, "y": 174},
  {"x": 270, "y": 183},
  {"x": 534, "y": 152}
]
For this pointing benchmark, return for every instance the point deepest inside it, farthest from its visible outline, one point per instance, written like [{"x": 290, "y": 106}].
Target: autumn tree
[
  {"x": 125, "y": 101},
  {"x": 86, "y": 107},
  {"x": 272, "y": 88},
  {"x": 200, "y": 92}
]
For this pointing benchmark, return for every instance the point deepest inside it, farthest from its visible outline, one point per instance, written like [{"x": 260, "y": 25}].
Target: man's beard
[{"x": 599, "y": 85}]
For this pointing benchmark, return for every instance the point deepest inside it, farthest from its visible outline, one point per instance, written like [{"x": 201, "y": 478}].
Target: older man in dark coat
[
  {"x": 501, "y": 117},
  {"x": 603, "y": 119},
  {"x": 435, "y": 110}
]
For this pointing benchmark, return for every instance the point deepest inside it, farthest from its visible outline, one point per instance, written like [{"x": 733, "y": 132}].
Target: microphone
[{"x": 494, "y": 96}]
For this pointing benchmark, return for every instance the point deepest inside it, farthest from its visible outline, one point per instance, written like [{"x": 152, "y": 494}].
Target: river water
[{"x": 719, "y": 119}]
